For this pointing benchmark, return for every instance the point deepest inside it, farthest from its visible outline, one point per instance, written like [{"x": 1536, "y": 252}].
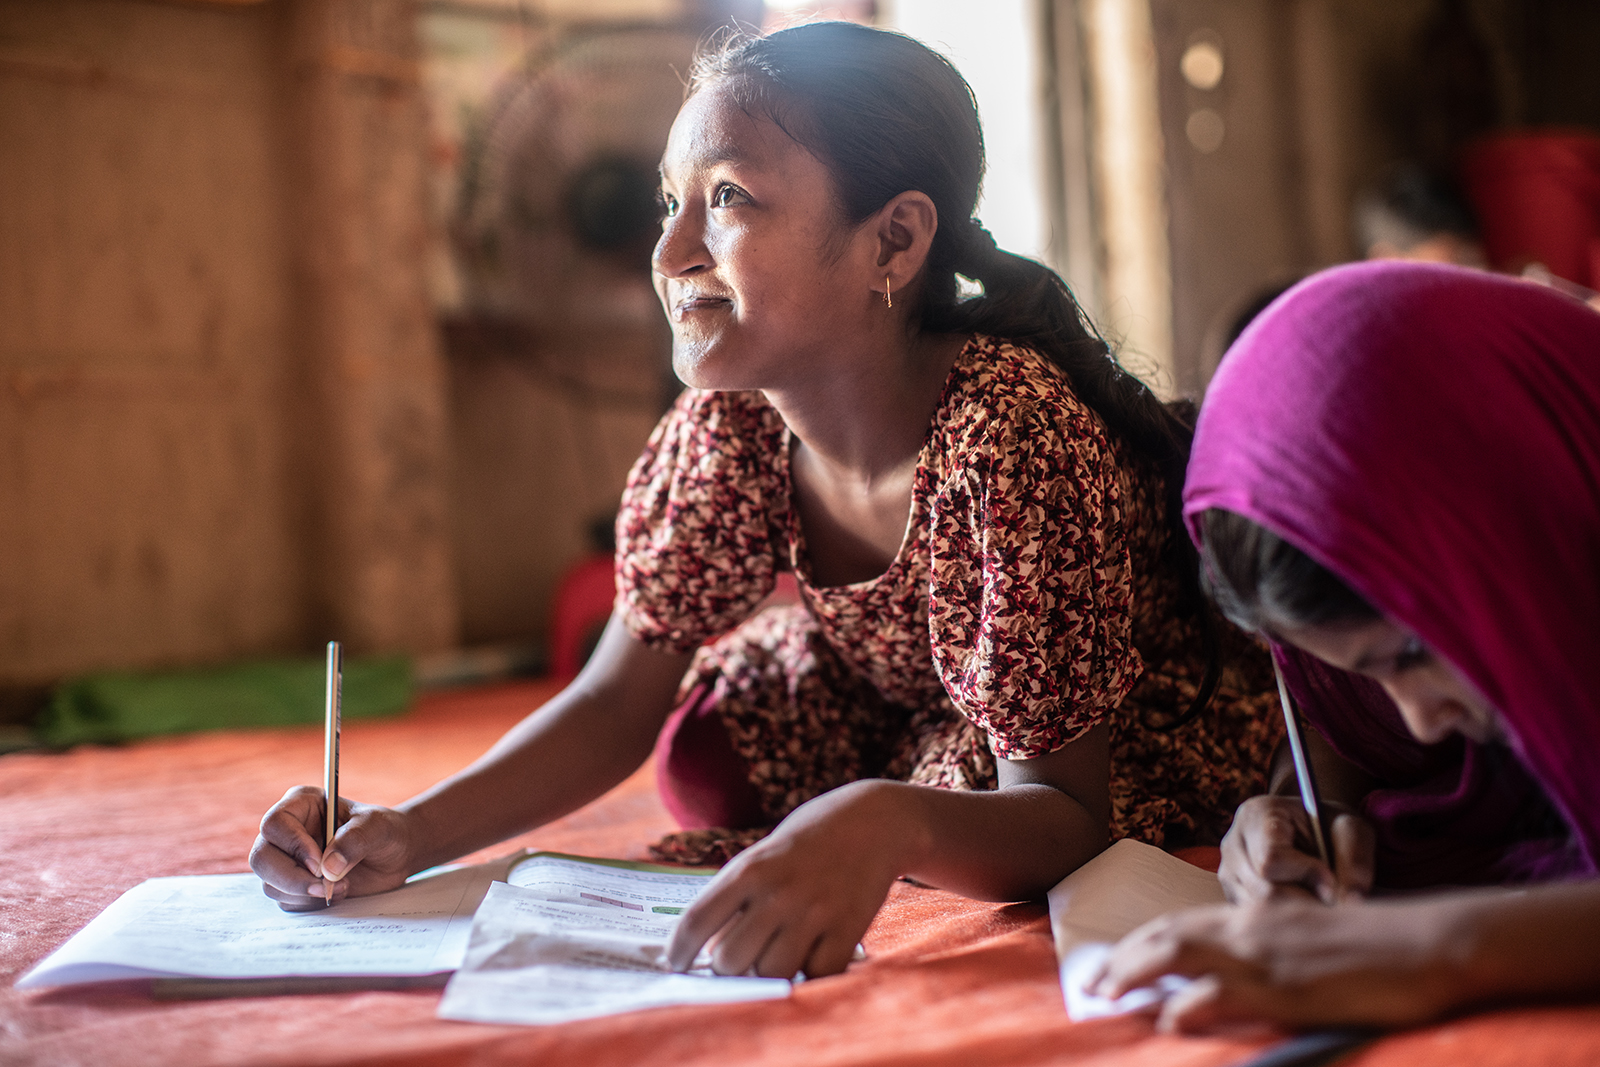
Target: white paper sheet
[
  {"x": 1084, "y": 961},
  {"x": 576, "y": 940},
  {"x": 223, "y": 926},
  {"x": 1112, "y": 895}
]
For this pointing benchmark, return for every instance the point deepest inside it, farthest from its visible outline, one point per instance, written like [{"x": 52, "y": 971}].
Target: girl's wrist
[
  {"x": 905, "y": 825},
  {"x": 422, "y": 847},
  {"x": 1447, "y": 961}
]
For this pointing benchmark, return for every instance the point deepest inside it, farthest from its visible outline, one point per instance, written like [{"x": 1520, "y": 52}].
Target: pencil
[
  {"x": 330, "y": 756},
  {"x": 1302, "y": 766}
]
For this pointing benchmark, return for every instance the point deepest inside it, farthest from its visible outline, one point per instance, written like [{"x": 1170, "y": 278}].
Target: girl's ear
[{"x": 904, "y": 228}]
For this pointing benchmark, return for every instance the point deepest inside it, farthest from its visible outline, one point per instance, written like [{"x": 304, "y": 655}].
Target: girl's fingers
[
  {"x": 1355, "y": 849},
  {"x": 1195, "y": 1008},
  {"x": 764, "y": 939},
  {"x": 1241, "y": 879},
  {"x": 1292, "y": 872},
  {"x": 746, "y": 940},
  {"x": 282, "y": 876},
  {"x": 1187, "y": 943},
  {"x": 285, "y": 833},
  {"x": 1216, "y": 1002},
  {"x": 1139, "y": 959},
  {"x": 831, "y": 955},
  {"x": 1278, "y": 854},
  {"x": 785, "y": 953},
  {"x": 1264, "y": 855},
  {"x": 721, "y": 901},
  {"x": 359, "y": 837},
  {"x": 289, "y": 858},
  {"x": 293, "y": 902}
]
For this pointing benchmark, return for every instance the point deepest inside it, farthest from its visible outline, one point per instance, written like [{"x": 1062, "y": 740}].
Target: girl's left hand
[
  {"x": 1293, "y": 964},
  {"x": 801, "y": 899}
]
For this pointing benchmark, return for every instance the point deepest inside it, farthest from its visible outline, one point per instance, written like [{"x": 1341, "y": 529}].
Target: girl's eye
[
  {"x": 728, "y": 196},
  {"x": 666, "y": 205},
  {"x": 1414, "y": 654}
]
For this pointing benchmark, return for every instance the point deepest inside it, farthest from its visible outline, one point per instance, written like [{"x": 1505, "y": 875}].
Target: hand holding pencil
[
  {"x": 314, "y": 849},
  {"x": 1283, "y": 846},
  {"x": 1268, "y": 854}
]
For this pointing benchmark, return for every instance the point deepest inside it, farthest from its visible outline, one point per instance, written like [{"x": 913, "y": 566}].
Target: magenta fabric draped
[{"x": 1432, "y": 436}]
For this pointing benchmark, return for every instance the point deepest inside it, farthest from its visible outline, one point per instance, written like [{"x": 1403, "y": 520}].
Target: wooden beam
[{"x": 377, "y": 441}]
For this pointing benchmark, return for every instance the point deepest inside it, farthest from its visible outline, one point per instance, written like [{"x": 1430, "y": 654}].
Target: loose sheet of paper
[
  {"x": 1113, "y": 894},
  {"x": 574, "y": 940},
  {"x": 223, "y": 926}
]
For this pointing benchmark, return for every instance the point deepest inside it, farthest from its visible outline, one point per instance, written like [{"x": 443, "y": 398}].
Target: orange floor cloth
[{"x": 947, "y": 981}]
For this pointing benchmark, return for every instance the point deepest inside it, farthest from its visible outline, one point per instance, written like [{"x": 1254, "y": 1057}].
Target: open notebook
[
  {"x": 1113, "y": 894},
  {"x": 219, "y": 935}
]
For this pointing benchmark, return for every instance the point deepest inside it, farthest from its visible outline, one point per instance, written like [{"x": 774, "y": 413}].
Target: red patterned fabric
[{"x": 1027, "y": 602}]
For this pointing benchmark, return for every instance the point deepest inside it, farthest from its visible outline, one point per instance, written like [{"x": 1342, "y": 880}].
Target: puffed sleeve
[
  {"x": 696, "y": 532},
  {"x": 1030, "y": 587}
]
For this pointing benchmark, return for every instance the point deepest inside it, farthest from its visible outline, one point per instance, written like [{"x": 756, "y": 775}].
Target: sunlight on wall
[
  {"x": 1138, "y": 282},
  {"x": 994, "y": 45}
]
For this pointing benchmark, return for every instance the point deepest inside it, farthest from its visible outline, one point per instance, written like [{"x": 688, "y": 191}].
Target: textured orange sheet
[{"x": 947, "y": 981}]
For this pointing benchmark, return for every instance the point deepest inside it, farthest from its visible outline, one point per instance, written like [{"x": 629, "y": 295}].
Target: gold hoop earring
[{"x": 888, "y": 294}]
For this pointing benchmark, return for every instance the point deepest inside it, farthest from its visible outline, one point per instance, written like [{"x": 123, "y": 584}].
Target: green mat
[{"x": 123, "y": 706}]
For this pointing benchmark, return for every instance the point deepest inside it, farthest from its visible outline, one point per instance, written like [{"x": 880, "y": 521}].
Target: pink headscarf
[{"x": 1431, "y": 435}]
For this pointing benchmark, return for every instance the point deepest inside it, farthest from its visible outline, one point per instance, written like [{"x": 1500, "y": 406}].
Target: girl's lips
[{"x": 700, "y": 303}]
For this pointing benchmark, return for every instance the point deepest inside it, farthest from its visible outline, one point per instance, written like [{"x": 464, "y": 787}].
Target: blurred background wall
[
  {"x": 332, "y": 317},
  {"x": 1313, "y": 102}
]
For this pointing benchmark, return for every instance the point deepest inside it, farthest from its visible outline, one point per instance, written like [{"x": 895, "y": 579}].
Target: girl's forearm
[
  {"x": 1013, "y": 843},
  {"x": 549, "y": 765},
  {"x": 575, "y": 748},
  {"x": 1530, "y": 944}
]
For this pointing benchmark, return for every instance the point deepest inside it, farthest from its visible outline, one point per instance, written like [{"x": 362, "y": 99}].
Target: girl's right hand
[
  {"x": 1267, "y": 854},
  {"x": 371, "y": 851}
]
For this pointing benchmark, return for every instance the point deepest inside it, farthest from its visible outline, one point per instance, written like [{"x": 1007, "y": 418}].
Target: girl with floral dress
[{"x": 999, "y": 661}]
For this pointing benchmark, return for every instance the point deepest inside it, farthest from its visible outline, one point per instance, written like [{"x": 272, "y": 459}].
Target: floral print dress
[{"x": 1029, "y": 602}]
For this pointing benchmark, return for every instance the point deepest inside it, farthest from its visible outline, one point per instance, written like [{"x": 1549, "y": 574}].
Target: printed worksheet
[{"x": 570, "y": 938}]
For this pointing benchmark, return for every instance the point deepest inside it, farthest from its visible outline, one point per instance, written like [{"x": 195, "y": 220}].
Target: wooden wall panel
[
  {"x": 381, "y": 566},
  {"x": 223, "y": 413},
  {"x": 147, "y": 497}
]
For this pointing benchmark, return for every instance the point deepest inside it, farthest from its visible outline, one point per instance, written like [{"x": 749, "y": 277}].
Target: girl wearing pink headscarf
[{"x": 1396, "y": 478}]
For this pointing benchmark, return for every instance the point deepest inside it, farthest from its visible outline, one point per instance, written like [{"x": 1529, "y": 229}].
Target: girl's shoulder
[
  {"x": 710, "y": 440},
  {"x": 997, "y": 383},
  {"x": 704, "y": 421},
  {"x": 722, "y": 405}
]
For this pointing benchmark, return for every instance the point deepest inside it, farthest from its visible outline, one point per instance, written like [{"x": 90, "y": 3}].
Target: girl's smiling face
[{"x": 758, "y": 273}]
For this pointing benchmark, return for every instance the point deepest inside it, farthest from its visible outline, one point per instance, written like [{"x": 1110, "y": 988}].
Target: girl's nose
[
  {"x": 681, "y": 249},
  {"x": 1431, "y": 717}
]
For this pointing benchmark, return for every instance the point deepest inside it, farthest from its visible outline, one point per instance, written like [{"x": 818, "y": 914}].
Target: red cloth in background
[
  {"x": 1537, "y": 197},
  {"x": 947, "y": 981},
  {"x": 578, "y": 613}
]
